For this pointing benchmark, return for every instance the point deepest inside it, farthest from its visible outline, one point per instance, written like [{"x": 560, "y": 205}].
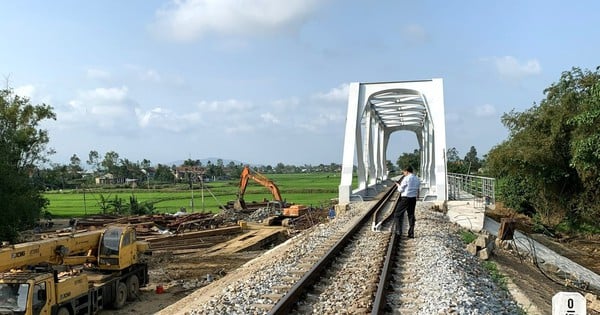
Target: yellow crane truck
[{"x": 72, "y": 275}]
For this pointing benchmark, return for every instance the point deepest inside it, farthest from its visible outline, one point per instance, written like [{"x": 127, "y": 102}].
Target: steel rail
[
  {"x": 289, "y": 300},
  {"x": 386, "y": 272}
]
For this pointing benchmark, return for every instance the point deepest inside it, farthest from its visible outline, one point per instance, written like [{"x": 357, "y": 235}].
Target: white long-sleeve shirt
[{"x": 409, "y": 187}]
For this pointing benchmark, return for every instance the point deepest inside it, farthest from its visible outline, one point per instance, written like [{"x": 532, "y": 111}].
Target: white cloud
[
  {"x": 160, "y": 118},
  {"x": 227, "y": 106},
  {"x": 150, "y": 75},
  {"x": 103, "y": 108},
  {"x": 25, "y": 91},
  {"x": 106, "y": 94},
  {"x": 94, "y": 73},
  {"x": 243, "y": 128},
  {"x": 415, "y": 34},
  {"x": 510, "y": 67},
  {"x": 270, "y": 118},
  {"x": 108, "y": 110},
  {"x": 336, "y": 94},
  {"x": 453, "y": 118},
  {"x": 143, "y": 73},
  {"x": 187, "y": 20},
  {"x": 286, "y": 104},
  {"x": 485, "y": 110}
]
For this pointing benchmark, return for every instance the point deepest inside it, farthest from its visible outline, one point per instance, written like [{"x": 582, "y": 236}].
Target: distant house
[
  {"x": 109, "y": 179},
  {"x": 186, "y": 172}
]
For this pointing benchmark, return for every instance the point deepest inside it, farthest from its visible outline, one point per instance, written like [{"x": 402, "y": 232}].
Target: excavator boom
[{"x": 248, "y": 174}]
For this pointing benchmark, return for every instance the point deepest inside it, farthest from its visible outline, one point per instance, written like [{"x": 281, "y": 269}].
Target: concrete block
[
  {"x": 482, "y": 240},
  {"x": 472, "y": 248},
  {"x": 341, "y": 208},
  {"x": 551, "y": 268},
  {"x": 592, "y": 302},
  {"x": 594, "y": 305},
  {"x": 484, "y": 254},
  {"x": 502, "y": 244}
]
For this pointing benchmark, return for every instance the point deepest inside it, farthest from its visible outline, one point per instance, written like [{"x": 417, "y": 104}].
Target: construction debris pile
[{"x": 182, "y": 232}]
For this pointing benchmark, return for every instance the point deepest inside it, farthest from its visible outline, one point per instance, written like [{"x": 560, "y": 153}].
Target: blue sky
[{"x": 266, "y": 81}]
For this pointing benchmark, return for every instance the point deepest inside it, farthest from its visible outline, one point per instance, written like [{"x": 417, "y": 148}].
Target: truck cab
[{"x": 26, "y": 294}]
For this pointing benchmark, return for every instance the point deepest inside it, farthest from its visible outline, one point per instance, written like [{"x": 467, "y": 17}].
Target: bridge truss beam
[{"x": 375, "y": 111}]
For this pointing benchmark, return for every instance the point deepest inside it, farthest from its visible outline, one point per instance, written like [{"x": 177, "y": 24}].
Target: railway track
[
  {"x": 339, "y": 268},
  {"x": 356, "y": 264},
  {"x": 345, "y": 277}
]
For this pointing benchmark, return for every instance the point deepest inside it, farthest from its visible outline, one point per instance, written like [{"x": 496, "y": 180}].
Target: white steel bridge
[{"x": 375, "y": 111}]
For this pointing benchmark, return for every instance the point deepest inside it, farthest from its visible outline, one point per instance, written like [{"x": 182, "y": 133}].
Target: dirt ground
[
  {"x": 533, "y": 282},
  {"x": 180, "y": 275},
  {"x": 584, "y": 250}
]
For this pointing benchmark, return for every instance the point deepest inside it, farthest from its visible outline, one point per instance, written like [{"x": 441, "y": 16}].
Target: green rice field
[{"x": 315, "y": 189}]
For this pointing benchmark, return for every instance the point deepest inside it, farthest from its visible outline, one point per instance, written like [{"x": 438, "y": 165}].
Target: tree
[
  {"x": 110, "y": 162},
  {"x": 190, "y": 162},
  {"x": 22, "y": 146},
  {"x": 75, "y": 165},
  {"x": 279, "y": 168},
  {"x": 93, "y": 160},
  {"x": 388, "y": 164},
  {"x": 164, "y": 173},
  {"x": 410, "y": 159},
  {"x": 146, "y": 164},
  {"x": 454, "y": 163},
  {"x": 552, "y": 153},
  {"x": 219, "y": 168},
  {"x": 472, "y": 161}
]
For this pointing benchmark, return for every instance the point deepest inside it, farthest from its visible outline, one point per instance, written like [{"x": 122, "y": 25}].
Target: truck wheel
[
  {"x": 63, "y": 311},
  {"x": 133, "y": 287},
  {"x": 120, "y": 296}
]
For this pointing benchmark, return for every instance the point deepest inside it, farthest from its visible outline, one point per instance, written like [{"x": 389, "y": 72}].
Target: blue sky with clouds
[{"x": 265, "y": 81}]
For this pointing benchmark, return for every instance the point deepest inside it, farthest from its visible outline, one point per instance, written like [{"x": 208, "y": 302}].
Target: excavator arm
[
  {"x": 244, "y": 177},
  {"x": 248, "y": 174}
]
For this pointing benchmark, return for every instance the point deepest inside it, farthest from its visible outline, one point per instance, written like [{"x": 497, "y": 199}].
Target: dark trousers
[{"x": 406, "y": 205}]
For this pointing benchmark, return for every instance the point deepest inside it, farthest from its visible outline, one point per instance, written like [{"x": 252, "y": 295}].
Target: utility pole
[
  {"x": 84, "y": 201},
  {"x": 202, "y": 183},
  {"x": 192, "y": 188}
]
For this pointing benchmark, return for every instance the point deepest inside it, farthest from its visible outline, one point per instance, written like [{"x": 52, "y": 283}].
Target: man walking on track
[{"x": 409, "y": 191}]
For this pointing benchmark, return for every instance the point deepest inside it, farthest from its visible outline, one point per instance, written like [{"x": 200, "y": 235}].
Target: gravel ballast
[{"x": 449, "y": 280}]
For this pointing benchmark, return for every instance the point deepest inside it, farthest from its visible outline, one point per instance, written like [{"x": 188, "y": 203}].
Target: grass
[
  {"x": 467, "y": 236},
  {"x": 313, "y": 189},
  {"x": 496, "y": 275},
  {"x": 500, "y": 279}
]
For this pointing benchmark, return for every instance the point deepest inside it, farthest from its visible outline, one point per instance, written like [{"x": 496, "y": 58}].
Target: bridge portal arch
[{"x": 375, "y": 111}]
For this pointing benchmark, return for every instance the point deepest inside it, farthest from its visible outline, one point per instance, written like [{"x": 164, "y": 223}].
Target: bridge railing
[{"x": 479, "y": 189}]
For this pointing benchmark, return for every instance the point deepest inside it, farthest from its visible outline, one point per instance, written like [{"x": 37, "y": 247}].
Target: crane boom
[
  {"x": 112, "y": 248},
  {"x": 76, "y": 274},
  {"x": 50, "y": 251}
]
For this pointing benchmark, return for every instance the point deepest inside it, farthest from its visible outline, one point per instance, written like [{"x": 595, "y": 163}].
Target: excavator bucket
[{"x": 239, "y": 205}]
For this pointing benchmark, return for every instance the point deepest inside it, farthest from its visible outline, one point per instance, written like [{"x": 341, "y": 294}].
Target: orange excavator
[
  {"x": 286, "y": 209},
  {"x": 248, "y": 174}
]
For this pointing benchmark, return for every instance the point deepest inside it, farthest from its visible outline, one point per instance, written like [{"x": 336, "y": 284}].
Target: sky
[{"x": 266, "y": 81}]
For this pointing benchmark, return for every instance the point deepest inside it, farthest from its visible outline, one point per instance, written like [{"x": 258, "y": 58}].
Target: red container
[{"x": 160, "y": 289}]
